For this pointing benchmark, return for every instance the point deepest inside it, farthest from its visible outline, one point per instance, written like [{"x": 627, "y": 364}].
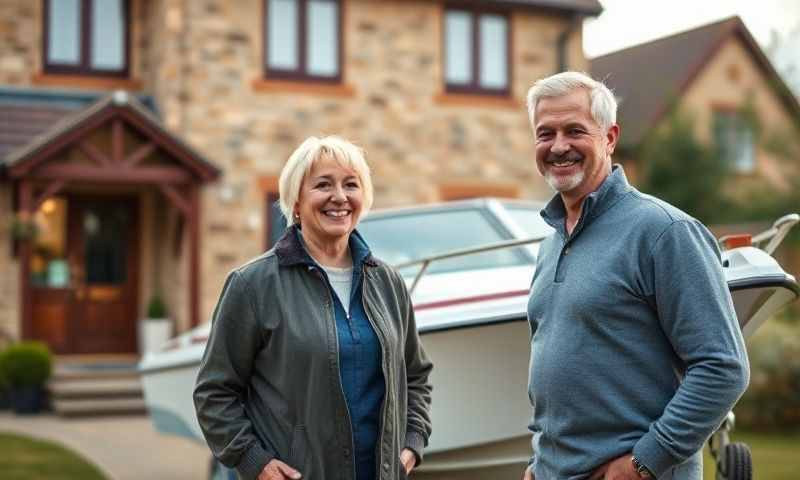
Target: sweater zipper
[
  {"x": 339, "y": 375},
  {"x": 379, "y": 334}
]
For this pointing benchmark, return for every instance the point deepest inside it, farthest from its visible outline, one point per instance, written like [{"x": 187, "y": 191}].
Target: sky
[{"x": 628, "y": 22}]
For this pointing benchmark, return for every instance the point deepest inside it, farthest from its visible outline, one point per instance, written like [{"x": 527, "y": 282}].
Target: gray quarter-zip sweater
[{"x": 635, "y": 343}]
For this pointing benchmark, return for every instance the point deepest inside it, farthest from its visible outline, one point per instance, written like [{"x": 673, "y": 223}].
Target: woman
[{"x": 314, "y": 367}]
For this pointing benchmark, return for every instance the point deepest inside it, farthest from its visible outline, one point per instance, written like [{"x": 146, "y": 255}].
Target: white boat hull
[{"x": 481, "y": 352}]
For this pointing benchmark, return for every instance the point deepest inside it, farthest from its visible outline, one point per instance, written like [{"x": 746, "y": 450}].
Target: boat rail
[
  {"x": 773, "y": 236},
  {"x": 426, "y": 261}
]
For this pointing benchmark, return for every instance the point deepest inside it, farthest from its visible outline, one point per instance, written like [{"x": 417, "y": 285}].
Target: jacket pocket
[{"x": 298, "y": 449}]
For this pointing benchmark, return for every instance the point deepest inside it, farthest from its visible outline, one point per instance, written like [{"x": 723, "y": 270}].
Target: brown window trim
[
  {"x": 301, "y": 75},
  {"x": 302, "y": 87},
  {"x": 465, "y": 190},
  {"x": 478, "y": 101},
  {"x": 85, "y": 68},
  {"x": 474, "y": 88},
  {"x": 89, "y": 82}
]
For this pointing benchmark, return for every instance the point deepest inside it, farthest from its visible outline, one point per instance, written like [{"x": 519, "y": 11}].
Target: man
[{"x": 636, "y": 353}]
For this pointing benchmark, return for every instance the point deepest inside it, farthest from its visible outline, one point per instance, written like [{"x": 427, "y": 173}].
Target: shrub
[
  {"x": 26, "y": 364},
  {"x": 156, "y": 308},
  {"x": 772, "y": 400}
]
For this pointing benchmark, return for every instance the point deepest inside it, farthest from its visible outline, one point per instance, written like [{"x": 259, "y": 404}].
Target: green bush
[
  {"x": 26, "y": 364},
  {"x": 156, "y": 308},
  {"x": 772, "y": 401}
]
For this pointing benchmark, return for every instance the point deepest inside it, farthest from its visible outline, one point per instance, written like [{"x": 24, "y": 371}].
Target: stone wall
[
  {"x": 391, "y": 102},
  {"x": 9, "y": 273},
  {"x": 20, "y": 41}
]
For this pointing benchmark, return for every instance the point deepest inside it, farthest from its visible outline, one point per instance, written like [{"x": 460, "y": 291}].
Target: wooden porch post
[
  {"x": 194, "y": 254},
  {"x": 25, "y": 209}
]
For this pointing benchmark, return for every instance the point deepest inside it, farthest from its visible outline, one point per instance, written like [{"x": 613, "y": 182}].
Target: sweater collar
[
  {"x": 290, "y": 250},
  {"x": 613, "y": 188}
]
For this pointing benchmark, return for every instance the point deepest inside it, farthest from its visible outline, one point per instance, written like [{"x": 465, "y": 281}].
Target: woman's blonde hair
[{"x": 301, "y": 161}]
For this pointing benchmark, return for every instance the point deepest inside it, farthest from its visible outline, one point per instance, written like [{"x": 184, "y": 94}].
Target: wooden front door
[{"x": 104, "y": 260}]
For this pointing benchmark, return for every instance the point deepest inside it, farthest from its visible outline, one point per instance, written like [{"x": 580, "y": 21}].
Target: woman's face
[{"x": 330, "y": 201}]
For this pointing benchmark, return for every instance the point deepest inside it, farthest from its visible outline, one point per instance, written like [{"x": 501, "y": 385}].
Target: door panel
[{"x": 104, "y": 261}]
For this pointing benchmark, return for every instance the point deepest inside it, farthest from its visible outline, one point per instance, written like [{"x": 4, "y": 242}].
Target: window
[
  {"x": 736, "y": 140},
  {"x": 276, "y": 223},
  {"x": 477, "y": 51},
  {"x": 303, "y": 39},
  {"x": 86, "y": 37}
]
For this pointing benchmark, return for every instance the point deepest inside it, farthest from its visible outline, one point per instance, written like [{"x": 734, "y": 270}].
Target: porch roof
[{"x": 35, "y": 121}]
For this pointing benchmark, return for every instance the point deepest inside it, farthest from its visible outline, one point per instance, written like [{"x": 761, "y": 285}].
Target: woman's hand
[
  {"x": 409, "y": 460},
  {"x": 277, "y": 470}
]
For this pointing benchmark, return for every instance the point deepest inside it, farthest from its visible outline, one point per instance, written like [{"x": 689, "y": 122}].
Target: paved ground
[{"x": 125, "y": 447}]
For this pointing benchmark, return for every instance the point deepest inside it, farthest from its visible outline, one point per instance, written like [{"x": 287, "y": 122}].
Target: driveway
[{"x": 124, "y": 448}]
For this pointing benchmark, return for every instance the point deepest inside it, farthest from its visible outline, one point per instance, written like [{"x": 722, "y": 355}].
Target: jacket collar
[
  {"x": 290, "y": 250},
  {"x": 613, "y": 188}
]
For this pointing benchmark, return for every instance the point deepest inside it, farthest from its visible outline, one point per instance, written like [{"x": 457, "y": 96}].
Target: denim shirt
[{"x": 359, "y": 365}]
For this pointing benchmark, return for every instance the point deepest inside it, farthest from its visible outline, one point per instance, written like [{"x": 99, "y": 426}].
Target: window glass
[
  {"x": 105, "y": 233},
  {"x": 529, "y": 220},
  {"x": 64, "y": 32},
  {"x": 458, "y": 31},
  {"x": 397, "y": 239},
  {"x": 494, "y": 51},
  {"x": 108, "y": 35},
  {"x": 282, "y": 23},
  {"x": 276, "y": 223},
  {"x": 735, "y": 140},
  {"x": 323, "y": 38},
  {"x": 48, "y": 263}
]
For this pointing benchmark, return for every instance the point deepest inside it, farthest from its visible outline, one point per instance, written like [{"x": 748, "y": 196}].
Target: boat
[{"x": 479, "y": 343}]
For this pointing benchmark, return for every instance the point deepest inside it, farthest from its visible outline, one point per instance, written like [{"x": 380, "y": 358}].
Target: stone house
[
  {"x": 718, "y": 75},
  {"x": 142, "y": 139}
]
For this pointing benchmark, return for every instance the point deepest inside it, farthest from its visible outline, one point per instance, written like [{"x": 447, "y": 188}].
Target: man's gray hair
[{"x": 602, "y": 101}]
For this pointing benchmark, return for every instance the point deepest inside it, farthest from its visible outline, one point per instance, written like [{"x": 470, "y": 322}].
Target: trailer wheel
[{"x": 738, "y": 464}]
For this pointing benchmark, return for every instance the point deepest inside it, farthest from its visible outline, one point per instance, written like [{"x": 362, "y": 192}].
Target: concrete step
[
  {"x": 95, "y": 387},
  {"x": 112, "y": 387},
  {"x": 96, "y": 407}
]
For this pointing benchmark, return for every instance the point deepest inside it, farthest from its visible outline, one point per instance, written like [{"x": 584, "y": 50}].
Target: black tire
[{"x": 738, "y": 462}]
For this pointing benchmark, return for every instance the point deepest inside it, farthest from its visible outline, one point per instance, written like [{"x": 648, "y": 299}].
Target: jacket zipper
[
  {"x": 339, "y": 374},
  {"x": 379, "y": 334}
]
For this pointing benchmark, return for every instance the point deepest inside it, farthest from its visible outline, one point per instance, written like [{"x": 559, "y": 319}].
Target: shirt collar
[
  {"x": 613, "y": 188},
  {"x": 290, "y": 249}
]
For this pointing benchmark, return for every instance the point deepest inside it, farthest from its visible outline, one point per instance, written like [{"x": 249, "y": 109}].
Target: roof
[
  {"x": 648, "y": 78},
  {"x": 26, "y": 113},
  {"x": 62, "y": 118},
  {"x": 584, "y": 7}
]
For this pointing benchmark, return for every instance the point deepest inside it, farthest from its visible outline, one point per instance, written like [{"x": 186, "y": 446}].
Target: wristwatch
[{"x": 641, "y": 470}]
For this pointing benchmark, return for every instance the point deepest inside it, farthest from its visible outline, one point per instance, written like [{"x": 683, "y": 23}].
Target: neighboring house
[
  {"x": 144, "y": 138},
  {"x": 718, "y": 75}
]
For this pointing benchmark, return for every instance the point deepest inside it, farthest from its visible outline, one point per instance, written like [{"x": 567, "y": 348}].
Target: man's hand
[
  {"x": 528, "y": 473},
  {"x": 409, "y": 460},
  {"x": 277, "y": 470},
  {"x": 618, "y": 469}
]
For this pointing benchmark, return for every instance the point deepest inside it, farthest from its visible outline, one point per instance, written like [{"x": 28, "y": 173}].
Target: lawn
[
  {"x": 775, "y": 455},
  {"x": 24, "y": 458}
]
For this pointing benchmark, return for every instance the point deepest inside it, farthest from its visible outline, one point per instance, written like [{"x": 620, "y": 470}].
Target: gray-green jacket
[{"x": 269, "y": 384}]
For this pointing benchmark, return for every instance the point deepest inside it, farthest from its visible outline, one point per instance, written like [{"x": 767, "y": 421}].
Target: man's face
[{"x": 572, "y": 152}]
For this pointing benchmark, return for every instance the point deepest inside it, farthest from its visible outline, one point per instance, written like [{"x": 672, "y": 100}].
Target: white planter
[{"x": 153, "y": 332}]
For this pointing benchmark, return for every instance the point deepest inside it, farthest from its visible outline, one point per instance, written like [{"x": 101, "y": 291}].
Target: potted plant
[
  {"x": 156, "y": 327},
  {"x": 26, "y": 366},
  {"x": 23, "y": 227}
]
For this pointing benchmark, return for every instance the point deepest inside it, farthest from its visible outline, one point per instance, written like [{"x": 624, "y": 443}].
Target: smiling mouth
[
  {"x": 336, "y": 213},
  {"x": 563, "y": 163}
]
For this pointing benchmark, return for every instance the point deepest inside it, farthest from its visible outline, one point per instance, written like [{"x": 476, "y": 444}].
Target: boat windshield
[
  {"x": 529, "y": 220},
  {"x": 413, "y": 235}
]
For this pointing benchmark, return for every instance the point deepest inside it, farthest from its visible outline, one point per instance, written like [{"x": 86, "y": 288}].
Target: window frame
[
  {"x": 736, "y": 126},
  {"x": 301, "y": 73},
  {"x": 474, "y": 87},
  {"x": 84, "y": 67}
]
